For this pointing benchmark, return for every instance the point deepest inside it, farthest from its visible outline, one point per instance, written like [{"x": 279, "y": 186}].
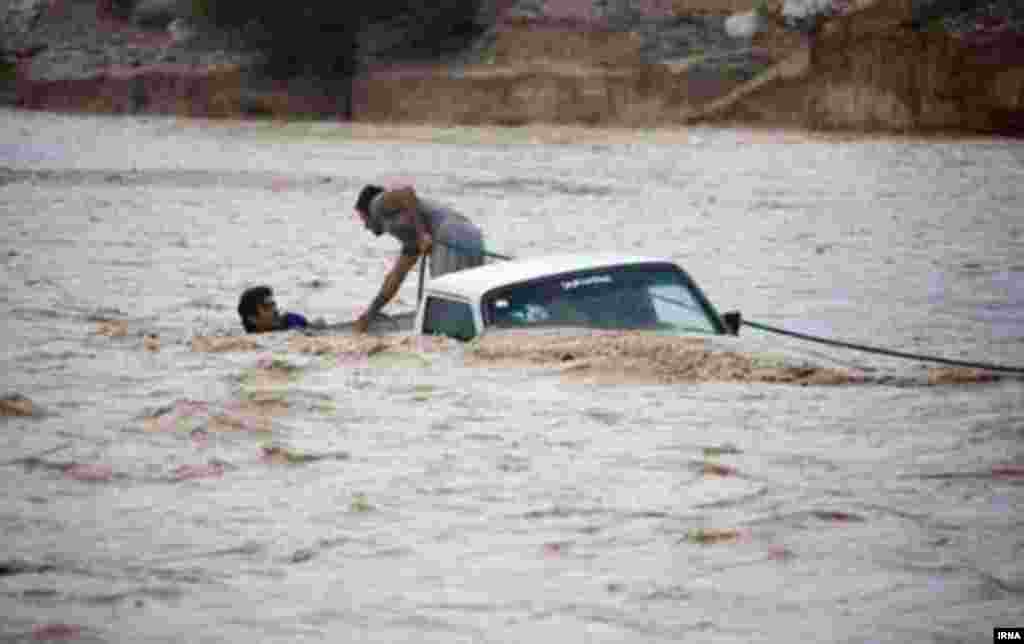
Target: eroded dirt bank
[
  {"x": 876, "y": 70},
  {"x": 872, "y": 70}
]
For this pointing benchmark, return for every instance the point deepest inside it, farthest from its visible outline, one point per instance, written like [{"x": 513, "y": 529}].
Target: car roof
[{"x": 473, "y": 283}]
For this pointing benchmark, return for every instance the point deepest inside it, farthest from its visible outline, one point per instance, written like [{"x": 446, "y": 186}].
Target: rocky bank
[{"x": 873, "y": 65}]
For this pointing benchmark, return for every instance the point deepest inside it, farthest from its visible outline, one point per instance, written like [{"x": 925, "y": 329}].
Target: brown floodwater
[{"x": 166, "y": 479}]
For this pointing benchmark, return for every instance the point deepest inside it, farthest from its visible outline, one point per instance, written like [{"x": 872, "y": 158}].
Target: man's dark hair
[
  {"x": 366, "y": 195},
  {"x": 250, "y": 300}
]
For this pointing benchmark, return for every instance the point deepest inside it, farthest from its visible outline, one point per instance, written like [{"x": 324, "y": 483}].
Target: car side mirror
[{"x": 733, "y": 320}]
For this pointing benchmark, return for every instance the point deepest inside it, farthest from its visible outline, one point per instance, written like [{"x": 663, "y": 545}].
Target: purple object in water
[
  {"x": 209, "y": 470},
  {"x": 90, "y": 472}
]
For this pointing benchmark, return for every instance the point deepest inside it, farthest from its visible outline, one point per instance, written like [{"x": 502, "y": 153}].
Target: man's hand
[
  {"x": 362, "y": 324},
  {"x": 426, "y": 242},
  {"x": 403, "y": 264}
]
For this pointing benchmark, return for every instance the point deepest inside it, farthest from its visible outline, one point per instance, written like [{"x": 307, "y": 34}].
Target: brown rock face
[
  {"x": 874, "y": 71},
  {"x": 518, "y": 95},
  {"x": 870, "y": 74}
]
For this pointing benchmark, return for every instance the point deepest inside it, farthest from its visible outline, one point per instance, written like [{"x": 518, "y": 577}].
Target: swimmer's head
[{"x": 258, "y": 310}]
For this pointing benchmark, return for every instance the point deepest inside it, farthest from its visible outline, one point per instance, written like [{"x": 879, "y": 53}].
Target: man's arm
[
  {"x": 398, "y": 199},
  {"x": 391, "y": 284}
]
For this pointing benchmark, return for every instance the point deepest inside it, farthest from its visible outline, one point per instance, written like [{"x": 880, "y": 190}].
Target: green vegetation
[
  {"x": 8, "y": 70},
  {"x": 735, "y": 71},
  {"x": 935, "y": 26},
  {"x": 322, "y": 38},
  {"x": 360, "y": 503},
  {"x": 317, "y": 38}
]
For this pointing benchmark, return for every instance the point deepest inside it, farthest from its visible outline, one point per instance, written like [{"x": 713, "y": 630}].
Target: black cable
[
  {"x": 423, "y": 274},
  {"x": 878, "y": 350}
]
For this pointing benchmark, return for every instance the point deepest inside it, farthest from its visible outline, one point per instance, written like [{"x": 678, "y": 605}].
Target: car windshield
[{"x": 641, "y": 296}]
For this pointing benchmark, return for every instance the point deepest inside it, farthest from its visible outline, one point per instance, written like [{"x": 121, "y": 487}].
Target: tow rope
[
  {"x": 734, "y": 320},
  {"x": 886, "y": 352}
]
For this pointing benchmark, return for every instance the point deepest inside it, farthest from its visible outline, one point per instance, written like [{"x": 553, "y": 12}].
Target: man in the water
[
  {"x": 260, "y": 314},
  {"x": 422, "y": 226}
]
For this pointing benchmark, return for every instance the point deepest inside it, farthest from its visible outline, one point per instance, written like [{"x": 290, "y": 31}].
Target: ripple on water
[
  {"x": 35, "y": 314},
  {"x": 536, "y": 186}
]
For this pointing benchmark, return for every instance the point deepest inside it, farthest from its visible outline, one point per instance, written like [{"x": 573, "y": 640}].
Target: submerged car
[{"x": 600, "y": 291}]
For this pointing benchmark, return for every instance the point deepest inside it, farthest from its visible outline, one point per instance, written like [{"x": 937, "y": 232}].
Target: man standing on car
[{"x": 422, "y": 226}]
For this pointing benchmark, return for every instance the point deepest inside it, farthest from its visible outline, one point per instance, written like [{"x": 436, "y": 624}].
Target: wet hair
[
  {"x": 366, "y": 195},
  {"x": 250, "y": 301}
]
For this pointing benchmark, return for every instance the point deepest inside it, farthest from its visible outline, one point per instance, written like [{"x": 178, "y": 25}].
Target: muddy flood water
[{"x": 157, "y": 487}]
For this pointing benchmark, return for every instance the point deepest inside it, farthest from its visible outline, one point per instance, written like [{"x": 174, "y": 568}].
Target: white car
[{"x": 605, "y": 291}]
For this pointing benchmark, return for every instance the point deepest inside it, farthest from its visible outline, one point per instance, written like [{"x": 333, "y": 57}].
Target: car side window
[{"x": 448, "y": 317}]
